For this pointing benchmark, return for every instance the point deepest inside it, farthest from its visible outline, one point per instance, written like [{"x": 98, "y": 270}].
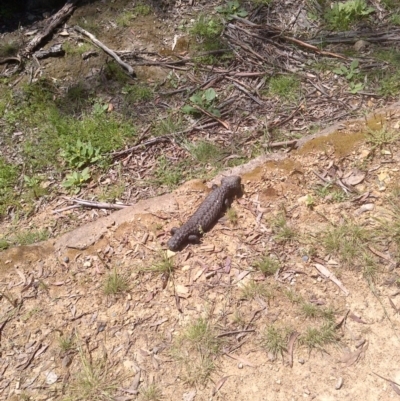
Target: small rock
[
  {"x": 339, "y": 383},
  {"x": 66, "y": 259},
  {"x": 87, "y": 264},
  {"x": 51, "y": 378},
  {"x": 301, "y": 361},
  {"x": 304, "y": 258},
  {"x": 240, "y": 365},
  {"x": 360, "y": 45}
]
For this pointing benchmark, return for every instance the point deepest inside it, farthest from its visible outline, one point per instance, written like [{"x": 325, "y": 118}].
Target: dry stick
[
  {"x": 223, "y": 123},
  {"x": 99, "y": 205},
  {"x": 56, "y": 20},
  {"x": 64, "y": 209},
  {"x": 110, "y": 52},
  {"x": 241, "y": 88},
  {"x": 277, "y": 31},
  {"x": 290, "y": 144}
]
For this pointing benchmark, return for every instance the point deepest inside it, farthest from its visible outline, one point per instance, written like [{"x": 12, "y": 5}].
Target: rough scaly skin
[{"x": 207, "y": 213}]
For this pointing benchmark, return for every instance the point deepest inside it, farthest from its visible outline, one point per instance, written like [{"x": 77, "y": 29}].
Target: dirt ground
[
  {"x": 63, "y": 337},
  {"x": 54, "y": 290}
]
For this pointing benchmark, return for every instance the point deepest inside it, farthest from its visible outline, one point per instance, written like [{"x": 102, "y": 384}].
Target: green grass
[
  {"x": 76, "y": 48},
  {"x": 163, "y": 265},
  {"x": 267, "y": 265},
  {"x": 292, "y": 296},
  {"x": 168, "y": 126},
  {"x": 8, "y": 49},
  {"x": 206, "y": 32},
  {"x": 151, "y": 393},
  {"x": 8, "y": 180},
  {"x": 379, "y": 138},
  {"x": 93, "y": 380},
  {"x": 168, "y": 174},
  {"x": 31, "y": 236},
  {"x": 318, "y": 337},
  {"x": 205, "y": 152},
  {"x": 195, "y": 350},
  {"x": 285, "y": 87},
  {"x": 142, "y": 9},
  {"x": 282, "y": 230},
  {"x": 312, "y": 311},
  {"x": 274, "y": 340},
  {"x": 346, "y": 242},
  {"x": 344, "y": 14},
  {"x": 66, "y": 343},
  {"x": 232, "y": 216},
  {"x": 115, "y": 283},
  {"x": 253, "y": 289},
  {"x": 138, "y": 93}
]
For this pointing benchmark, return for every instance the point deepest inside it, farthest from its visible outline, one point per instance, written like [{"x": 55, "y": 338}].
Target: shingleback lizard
[{"x": 207, "y": 213}]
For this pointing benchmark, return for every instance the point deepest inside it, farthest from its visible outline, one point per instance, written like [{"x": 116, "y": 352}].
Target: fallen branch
[
  {"x": 99, "y": 205},
  {"x": 289, "y": 144},
  {"x": 56, "y": 20},
  {"x": 110, "y": 52}
]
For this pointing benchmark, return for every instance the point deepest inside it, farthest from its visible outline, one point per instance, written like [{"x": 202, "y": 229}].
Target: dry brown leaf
[
  {"x": 354, "y": 178},
  {"x": 219, "y": 385}
]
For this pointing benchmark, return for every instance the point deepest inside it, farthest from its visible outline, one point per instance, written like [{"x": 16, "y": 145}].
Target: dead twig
[
  {"x": 110, "y": 52},
  {"x": 55, "y": 21}
]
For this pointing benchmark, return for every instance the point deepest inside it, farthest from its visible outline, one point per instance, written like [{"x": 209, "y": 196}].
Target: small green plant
[
  {"x": 79, "y": 49},
  {"x": 65, "y": 343},
  {"x": 76, "y": 179},
  {"x": 151, "y": 393},
  {"x": 318, "y": 337},
  {"x": 292, "y": 296},
  {"x": 115, "y": 283},
  {"x": 125, "y": 18},
  {"x": 81, "y": 154},
  {"x": 142, "y": 9},
  {"x": 94, "y": 380},
  {"x": 195, "y": 351},
  {"x": 262, "y": 2},
  {"x": 8, "y": 49},
  {"x": 379, "y": 138},
  {"x": 168, "y": 126},
  {"x": 167, "y": 174},
  {"x": 205, "y": 152},
  {"x": 349, "y": 73},
  {"x": 342, "y": 15},
  {"x": 202, "y": 100},
  {"x": 390, "y": 84},
  {"x": 283, "y": 232},
  {"x": 267, "y": 265},
  {"x": 309, "y": 310},
  {"x": 370, "y": 268},
  {"x": 232, "y": 216},
  {"x": 113, "y": 71},
  {"x": 99, "y": 108},
  {"x": 354, "y": 88},
  {"x": 163, "y": 265},
  {"x": 310, "y": 202},
  {"x": 31, "y": 236},
  {"x": 286, "y": 87},
  {"x": 346, "y": 241},
  {"x": 137, "y": 93},
  {"x": 207, "y": 28},
  {"x": 4, "y": 244},
  {"x": 231, "y": 10},
  {"x": 274, "y": 340},
  {"x": 253, "y": 289},
  {"x": 395, "y": 19},
  {"x": 8, "y": 179}
]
